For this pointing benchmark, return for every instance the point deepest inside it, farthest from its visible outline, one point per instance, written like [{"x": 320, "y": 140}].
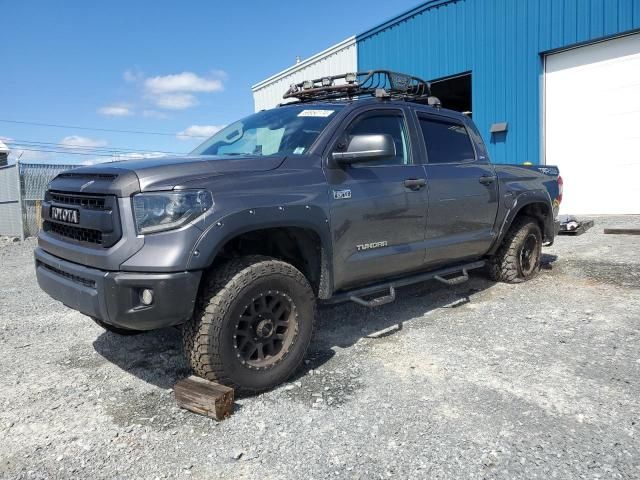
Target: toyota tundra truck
[{"x": 361, "y": 184}]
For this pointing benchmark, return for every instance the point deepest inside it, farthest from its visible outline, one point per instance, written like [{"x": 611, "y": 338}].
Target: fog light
[
  {"x": 307, "y": 84},
  {"x": 350, "y": 77},
  {"x": 146, "y": 297},
  {"x": 326, "y": 82}
]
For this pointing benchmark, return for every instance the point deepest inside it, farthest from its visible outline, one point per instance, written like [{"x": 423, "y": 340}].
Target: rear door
[
  {"x": 463, "y": 191},
  {"x": 378, "y": 209}
]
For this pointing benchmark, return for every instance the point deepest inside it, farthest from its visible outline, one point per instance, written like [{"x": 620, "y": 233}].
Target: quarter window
[{"x": 447, "y": 142}]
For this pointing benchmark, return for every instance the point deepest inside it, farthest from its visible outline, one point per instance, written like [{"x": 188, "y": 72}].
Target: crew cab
[{"x": 347, "y": 193}]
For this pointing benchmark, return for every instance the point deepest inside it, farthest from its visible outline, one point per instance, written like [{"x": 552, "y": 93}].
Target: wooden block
[
  {"x": 622, "y": 231},
  {"x": 204, "y": 397}
]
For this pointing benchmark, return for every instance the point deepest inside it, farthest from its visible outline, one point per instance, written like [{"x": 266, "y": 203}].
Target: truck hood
[{"x": 162, "y": 173}]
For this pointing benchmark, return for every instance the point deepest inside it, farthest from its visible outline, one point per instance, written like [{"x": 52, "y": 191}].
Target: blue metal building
[
  {"x": 547, "y": 81},
  {"x": 503, "y": 45}
]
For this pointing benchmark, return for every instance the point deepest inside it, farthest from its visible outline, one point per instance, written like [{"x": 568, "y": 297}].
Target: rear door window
[{"x": 446, "y": 141}]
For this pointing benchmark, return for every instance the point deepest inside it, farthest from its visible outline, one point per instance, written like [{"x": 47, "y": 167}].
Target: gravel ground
[{"x": 484, "y": 380}]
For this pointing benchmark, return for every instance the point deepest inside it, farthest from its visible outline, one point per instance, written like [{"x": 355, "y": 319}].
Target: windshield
[{"x": 288, "y": 130}]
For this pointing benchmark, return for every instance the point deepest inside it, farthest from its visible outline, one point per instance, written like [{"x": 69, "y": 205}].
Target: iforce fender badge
[{"x": 341, "y": 194}]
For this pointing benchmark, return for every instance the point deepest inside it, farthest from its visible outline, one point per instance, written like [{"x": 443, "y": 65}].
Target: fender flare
[
  {"x": 223, "y": 229},
  {"x": 523, "y": 200}
]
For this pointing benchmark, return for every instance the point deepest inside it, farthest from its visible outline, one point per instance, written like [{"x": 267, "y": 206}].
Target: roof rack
[{"x": 377, "y": 83}]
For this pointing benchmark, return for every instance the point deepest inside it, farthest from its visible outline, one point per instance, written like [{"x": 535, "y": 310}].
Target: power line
[
  {"x": 34, "y": 143},
  {"x": 65, "y": 152},
  {"x": 138, "y": 132}
]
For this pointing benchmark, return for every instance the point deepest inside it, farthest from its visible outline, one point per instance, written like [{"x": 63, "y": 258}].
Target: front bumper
[{"x": 114, "y": 297}]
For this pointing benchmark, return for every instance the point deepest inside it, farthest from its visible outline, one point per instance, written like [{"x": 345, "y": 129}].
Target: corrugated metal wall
[
  {"x": 10, "y": 217},
  {"x": 500, "y": 42},
  {"x": 335, "y": 60},
  {"x": 22, "y": 189}
]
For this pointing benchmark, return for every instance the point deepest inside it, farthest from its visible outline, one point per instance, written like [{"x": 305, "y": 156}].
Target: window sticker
[
  {"x": 298, "y": 151},
  {"x": 315, "y": 113}
]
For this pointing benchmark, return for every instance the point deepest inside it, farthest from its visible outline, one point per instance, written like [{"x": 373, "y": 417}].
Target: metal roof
[{"x": 305, "y": 63}]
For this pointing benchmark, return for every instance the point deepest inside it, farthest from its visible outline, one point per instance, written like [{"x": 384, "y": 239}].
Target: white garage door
[{"x": 592, "y": 125}]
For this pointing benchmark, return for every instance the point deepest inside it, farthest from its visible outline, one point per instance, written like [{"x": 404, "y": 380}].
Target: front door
[
  {"x": 463, "y": 192},
  {"x": 378, "y": 209}
]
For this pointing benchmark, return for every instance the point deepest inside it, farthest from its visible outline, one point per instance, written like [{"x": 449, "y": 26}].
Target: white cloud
[
  {"x": 76, "y": 141},
  {"x": 138, "y": 156},
  {"x": 174, "y": 101},
  {"x": 132, "y": 75},
  {"x": 220, "y": 73},
  {"x": 198, "y": 132},
  {"x": 28, "y": 155},
  {"x": 177, "y": 91},
  {"x": 182, "y": 82},
  {"x": 116, "y": 110},
  {"x": 153, "y": 114}
]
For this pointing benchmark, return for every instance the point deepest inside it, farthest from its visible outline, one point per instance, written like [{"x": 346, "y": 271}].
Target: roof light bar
[{"x": 352, "y": 85}]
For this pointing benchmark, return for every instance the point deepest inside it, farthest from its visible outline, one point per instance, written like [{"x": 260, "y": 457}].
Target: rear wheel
[
  {"x": 253, "y": 324},
  {"x": 518, "y": 258}
]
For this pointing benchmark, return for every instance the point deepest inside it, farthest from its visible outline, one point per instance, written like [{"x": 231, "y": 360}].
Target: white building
[
  {"x": 4, "y": 154},
  {"x": 335, "y": 60}
]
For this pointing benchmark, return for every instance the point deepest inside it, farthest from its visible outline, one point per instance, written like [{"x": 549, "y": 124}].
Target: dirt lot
[{"x": 538, "y": 380}]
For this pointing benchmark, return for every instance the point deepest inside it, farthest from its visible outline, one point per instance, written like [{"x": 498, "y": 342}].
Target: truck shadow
[{"x": 156, "y": 357}]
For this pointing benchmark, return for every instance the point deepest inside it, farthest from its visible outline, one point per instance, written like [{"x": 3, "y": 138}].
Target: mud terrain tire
[
  {"x": 518, "y": 258},
  {"x": 252, "y": 324}
]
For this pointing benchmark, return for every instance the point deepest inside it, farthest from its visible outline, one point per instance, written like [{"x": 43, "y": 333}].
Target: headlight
[{"x": 159, "y": 211}]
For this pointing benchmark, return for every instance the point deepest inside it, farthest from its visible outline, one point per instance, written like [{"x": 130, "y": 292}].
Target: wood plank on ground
[
  {"x": 204, "y": 397},
  {"x": 622, "y": 231}
]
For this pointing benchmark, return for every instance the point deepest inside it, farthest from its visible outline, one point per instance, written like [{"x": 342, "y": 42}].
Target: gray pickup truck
[{"x": 361, "y": 185}]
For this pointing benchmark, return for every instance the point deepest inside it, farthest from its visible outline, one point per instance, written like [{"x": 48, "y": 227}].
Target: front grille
[
  {"x": 75, "y": 233},
  {"x": 98, "y": 215},
  {"x": 86, "y": 201},
  {"x": 81, "y": 280}
]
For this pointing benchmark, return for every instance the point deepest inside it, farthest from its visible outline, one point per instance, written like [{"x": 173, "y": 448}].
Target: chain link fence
[
  {"x": 34, "y": 179},
  {"x": 22, "y": 188}
]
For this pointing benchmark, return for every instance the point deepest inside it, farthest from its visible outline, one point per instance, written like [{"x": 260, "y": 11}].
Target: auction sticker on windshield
[{"x": 315, "y": 113}]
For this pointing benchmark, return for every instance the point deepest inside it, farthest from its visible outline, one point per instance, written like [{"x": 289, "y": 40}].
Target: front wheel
[
  {"x": 518, "y": 258},
  {"x": 253, "y": 324}
]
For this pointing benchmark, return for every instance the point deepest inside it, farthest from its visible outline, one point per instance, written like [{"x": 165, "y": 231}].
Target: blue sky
[{"x": 157, "y": 66}]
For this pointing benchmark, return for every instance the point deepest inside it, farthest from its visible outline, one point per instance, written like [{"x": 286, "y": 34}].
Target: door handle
[
  {"x": 487, "y": 179},
  {"x": 415, "y": 183}
]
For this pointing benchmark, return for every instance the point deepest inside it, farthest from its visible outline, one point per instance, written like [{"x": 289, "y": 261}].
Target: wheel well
[
  {"x": 537, "y": 211},
  {"x": 301, "y": 247}
]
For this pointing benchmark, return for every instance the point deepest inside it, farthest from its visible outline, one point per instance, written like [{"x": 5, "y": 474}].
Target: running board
[
  {"x": 356, "y": 295},
  {"x": 376, "y": 302},
  {"x": 454, "y": 281}
]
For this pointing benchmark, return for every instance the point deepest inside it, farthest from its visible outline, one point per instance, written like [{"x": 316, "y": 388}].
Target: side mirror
[{"x": 365, "y": 148}]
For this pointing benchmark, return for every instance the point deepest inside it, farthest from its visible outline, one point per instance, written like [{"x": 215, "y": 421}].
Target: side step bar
[
  {"x": 356, "y": 295},
  {"x": 376, "y": 302},
  {"x": 454, "y": 281}
]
